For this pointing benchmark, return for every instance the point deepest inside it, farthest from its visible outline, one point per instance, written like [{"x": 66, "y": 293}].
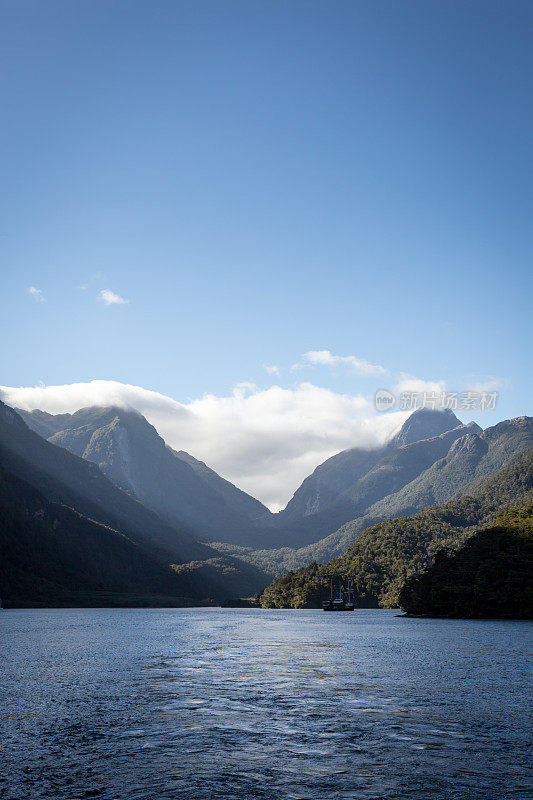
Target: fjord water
[{"x": 155, "y": 704}]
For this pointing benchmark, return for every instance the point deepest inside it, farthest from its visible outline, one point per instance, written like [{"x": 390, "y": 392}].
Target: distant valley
[{"x": 95, "y": 505}]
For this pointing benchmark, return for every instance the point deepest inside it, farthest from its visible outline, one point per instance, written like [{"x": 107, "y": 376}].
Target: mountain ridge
[
  {"x": 361, "y": 484},
  {"x": 72, "y": 482},
  {"x": 447, "y": 477},
  {"x": 390, "y": 482},
  {"x": 386, "y": 554},
  {"x": 68, "y": 479},
  {"x": 173, "y": 484},
  {"x": 357, "y": 478}
]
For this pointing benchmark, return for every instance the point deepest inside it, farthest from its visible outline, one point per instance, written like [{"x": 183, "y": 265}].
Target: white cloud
[
  {"x": 109, "y": 298},
  {"x": 37, "y": 294},
  {"x": 408, "y": 383},
  {"x": 271, "y": 369},
  {"x": 264, "y": 441},
  {"x": 323, "y": 358},
  {"x": 420, "y": 393},
  {"x": 490, "y": 385}
]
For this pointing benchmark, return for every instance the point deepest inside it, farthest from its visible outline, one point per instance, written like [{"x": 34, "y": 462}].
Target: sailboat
[
  {"x": 327, "y": 605},
  {"x": 338, "y": 603},
  {"x": 349, "y": 605}
]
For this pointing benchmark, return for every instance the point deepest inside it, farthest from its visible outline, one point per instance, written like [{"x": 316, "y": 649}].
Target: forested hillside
[
  {"x": 489, "y": 576},
  {"x": 385, "y": 555},
  {"x": 52, "y": 555}
]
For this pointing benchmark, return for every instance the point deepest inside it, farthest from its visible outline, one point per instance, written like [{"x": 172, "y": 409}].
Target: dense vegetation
[
  {"x": 52, "y": 555},
  {"x": 385, "y": 555},
  {"x": 489, "y": 576},
  {"x": 223, "y": 575}
]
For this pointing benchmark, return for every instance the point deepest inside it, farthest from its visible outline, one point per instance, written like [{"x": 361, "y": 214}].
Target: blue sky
[{"x": 264, "y": 179}]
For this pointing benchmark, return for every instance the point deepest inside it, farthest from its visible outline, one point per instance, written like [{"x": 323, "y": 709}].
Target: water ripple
[{"x": 215, "y": 704}]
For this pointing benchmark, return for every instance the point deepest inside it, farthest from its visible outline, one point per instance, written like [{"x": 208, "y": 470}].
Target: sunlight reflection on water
[{"x": 148, "y": 704}]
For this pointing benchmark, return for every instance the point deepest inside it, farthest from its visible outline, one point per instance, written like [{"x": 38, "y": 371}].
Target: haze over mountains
[
  {"x": 118, "y": 483},
  {"x": 130, "y": 452},
  {"x": 427, "y": 461},
  {"x": 459, "y": 457},
  {"x": 68, "y": 495}
]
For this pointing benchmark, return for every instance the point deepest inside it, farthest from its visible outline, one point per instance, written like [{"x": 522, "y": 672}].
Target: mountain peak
[
  {"x": 425, "y": 423},
  {"x": 180, "y": 489}
]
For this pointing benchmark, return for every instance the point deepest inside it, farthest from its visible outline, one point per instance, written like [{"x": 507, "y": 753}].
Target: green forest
[{"x": 489, "y": 576}]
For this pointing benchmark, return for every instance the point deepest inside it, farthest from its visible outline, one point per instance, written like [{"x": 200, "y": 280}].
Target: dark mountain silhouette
[{"x": 52, "y": 555}]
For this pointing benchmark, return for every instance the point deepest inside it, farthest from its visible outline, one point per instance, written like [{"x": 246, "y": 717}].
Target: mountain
[
  {"x": 157, "y": 500},
  {"x": 341, "y": 472},
  {"x": 379, "y": 562},
  {"x": 491, "y": 575},
  {"x": 431, "y": 458},
  {"x": 187, "y": 493},
  {"x": 179, "y": 488},
  {"x": 66, "y": 480},
  {"x": 52, "y": 555},
  {"x": 468, "y": 455},
  {"x": 425, "y": 423},
  {"x": 347, "y": 485},
  {"x": 235, "y": 498},
  {"x": 471, "y": 457}
]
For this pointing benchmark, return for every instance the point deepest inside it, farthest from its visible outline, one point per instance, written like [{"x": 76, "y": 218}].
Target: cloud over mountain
[{"x": 266, "y": 441}]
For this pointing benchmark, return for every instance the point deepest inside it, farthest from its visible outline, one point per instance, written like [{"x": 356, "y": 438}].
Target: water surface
[{"x": 158, "y": 704}]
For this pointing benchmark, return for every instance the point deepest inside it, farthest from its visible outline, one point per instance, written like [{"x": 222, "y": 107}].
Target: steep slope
[
  {"x": 237, "y": 500},
  {"x": 491, "y": 575},
  {"x": 355, "y": 480},
  {"x": 43, "y": 423},
  {"x": 67, "y": 479},
  {"x": 425, "y": 423},
  {"x": 341, "y": 472},
  {"x": 52, "y": 555},
  {"x": 385, "y": 555},
  {"x": 327, "y": 483},
  {"x": 471, "y": 457},
  {"x": 180, "y": 489}
]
